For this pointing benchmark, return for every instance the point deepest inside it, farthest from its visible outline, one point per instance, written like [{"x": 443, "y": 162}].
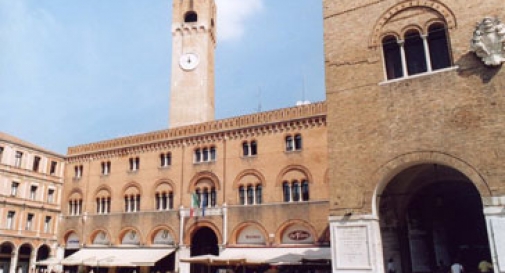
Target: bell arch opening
[{"x": 431, "y": 216}]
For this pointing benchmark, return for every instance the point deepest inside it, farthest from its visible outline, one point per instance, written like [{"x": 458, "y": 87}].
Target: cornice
[{"x": 277, "y": 121}]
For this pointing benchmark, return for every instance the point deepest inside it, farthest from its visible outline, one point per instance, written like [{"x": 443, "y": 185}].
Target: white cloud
[{"x": 232, "y": 17}]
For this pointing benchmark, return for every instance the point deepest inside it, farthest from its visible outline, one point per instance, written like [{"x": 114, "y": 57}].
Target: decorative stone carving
[{"x": 488, "y": 41}]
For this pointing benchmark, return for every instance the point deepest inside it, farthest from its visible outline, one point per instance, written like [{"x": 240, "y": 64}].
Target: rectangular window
[
  {"x": 10, "y": 220},
  {"x": 78, "y": 171},
  {"x": 1, "y": 153},
  {"x": 106, "y": 168},
  {"x": 29, "y": 221},
  {"x": 134, "y": 163},
  {"x": 33, "y": 192},
  {"x": 36, "y": 164},
  {"x": 166, "y": 159},
  {"x": 14, "y": 188},
  {"x": 52, "y": 170},
  {"x": 47, "y": 224},
  {"x": 50, "y": 196},
  {"x": 18, "y": 159}
]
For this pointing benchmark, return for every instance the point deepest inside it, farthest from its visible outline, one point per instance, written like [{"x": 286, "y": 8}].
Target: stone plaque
[
  {"x": 101, "y": 239},
  {"x": 251, "y": 236},
  {"x": 352, "y": 247},
  {"x": 499, "y": 241},
  {"x": 131, "y": 238},
  {"x": 73, "y": 241}
]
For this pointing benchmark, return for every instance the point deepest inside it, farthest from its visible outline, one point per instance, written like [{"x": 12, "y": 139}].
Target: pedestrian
[
  {"x": 391, "y": 266},
  {"x": 485, "y": 266},
  {"x": 456, "y": 267}
]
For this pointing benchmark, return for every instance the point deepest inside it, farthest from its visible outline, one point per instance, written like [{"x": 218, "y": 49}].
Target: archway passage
[
  {"x": 6, "y": 250},
  {"x": 204, "y": 242},
  {"x": 430, "y": 216},
  {"x": 23, "y": 264}
]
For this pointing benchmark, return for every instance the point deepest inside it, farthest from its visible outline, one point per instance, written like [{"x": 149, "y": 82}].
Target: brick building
[
  {"x": 31, "y": 184},
  {"x": 415, "y": 126},
  {"x": 240, "y": 187}
]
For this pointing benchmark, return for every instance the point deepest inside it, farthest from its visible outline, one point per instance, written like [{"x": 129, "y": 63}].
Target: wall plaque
[{"x": 352, "y": 247}]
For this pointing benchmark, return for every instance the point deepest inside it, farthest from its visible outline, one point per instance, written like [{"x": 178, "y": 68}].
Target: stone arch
[
  {"x": 388, "y": 171},
  {"x": 201, "y": 176},
  {"x": 200, "y": 224},
  {"x": 249, "y": 172},
  {"x": 411, "y": 27},
  {"x": 156, "y": 229},
  {"x": 97, "y": 231},
  {"x": 103, "y": 188},
  {"x": 294, "y": 168},
  {"x": 127, "y": 229},
  {"x": 280, "y": 231},
  {"x": 132, "y": 185},
  {"x": 236, "y": 231},
  {"x": 160, "y": 183},
  {"x": 74, "y": 192},
  {"x": 63, "y": 240},
  {"x": 436, "y": 6}
]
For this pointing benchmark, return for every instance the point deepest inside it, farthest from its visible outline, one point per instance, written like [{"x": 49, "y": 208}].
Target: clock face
[{"x": 189, "y": 61}]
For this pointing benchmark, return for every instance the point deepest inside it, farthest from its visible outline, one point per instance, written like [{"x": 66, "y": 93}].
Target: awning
[
  {"x": 49, "y": 262},
  {"x": 120, "y": 257},
  {"x": 280, "y": 255}
]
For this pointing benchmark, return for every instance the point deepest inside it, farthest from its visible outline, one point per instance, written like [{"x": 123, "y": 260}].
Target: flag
[{"x": 195, "y": 203}]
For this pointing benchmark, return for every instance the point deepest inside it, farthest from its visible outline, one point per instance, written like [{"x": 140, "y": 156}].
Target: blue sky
[{"x": 81, "y": 71}]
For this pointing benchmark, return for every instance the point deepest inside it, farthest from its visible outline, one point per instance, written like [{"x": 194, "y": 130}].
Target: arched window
[
  {"x": 190, "y": 17},
  {"x": 241, "y": 195},
  {"x": 245, "y": 149},
  {"x": 439, "y": 46},
  {"x": 250, "y": 195},
  {"x": 298, "y": 142},
  {"x": 103, "y": 202},
  {"x": 132, "y": 202},
  {"x": 259, "y": 194},
  {"x": 414, "y": 53},
  {"x": 75, "y": 206},
  {"x": 305, "y": 190},
  {"x": 286, "y": 191},
  {"x": 254, "y": 148},
  {"x": 165, "y": 159},
  {"x": 213, "y": 197},
  {"x": 295, "y": 188},
  {"x": 289, "y": 143},
  {"x": 205, "y": 198},
  {"x": 392, "y": 57},
  {"x": 205, "y": 154},
  {"x": 213, "y": 153}
]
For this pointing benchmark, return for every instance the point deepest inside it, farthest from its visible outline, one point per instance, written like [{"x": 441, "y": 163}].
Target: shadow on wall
[{"x": 470, "y": 65}]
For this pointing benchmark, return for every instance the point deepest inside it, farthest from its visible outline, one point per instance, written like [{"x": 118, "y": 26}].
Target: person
[
  {"x": 391, "y": 266},
  {"x": 485, "y": 266},
  {"x": 457, "y": 268}
]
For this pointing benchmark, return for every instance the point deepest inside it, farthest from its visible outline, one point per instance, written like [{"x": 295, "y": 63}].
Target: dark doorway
[
  {"x": 204, "y": 242},
  {"x": 5, "y": 257},
  {"x": 432, "y": 215}
]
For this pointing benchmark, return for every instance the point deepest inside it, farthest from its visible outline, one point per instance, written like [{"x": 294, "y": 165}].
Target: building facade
[
  {"x": 31, "y": 184},
  {"x": 416, "y": 166},
  {"x": 253, "y": 182}
]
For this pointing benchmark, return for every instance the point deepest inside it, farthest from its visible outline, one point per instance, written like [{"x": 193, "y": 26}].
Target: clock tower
[{"x": 193, "y": 46}]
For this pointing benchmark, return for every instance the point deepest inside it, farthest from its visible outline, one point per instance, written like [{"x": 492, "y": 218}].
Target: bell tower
[{"x": 193, "y": 46}]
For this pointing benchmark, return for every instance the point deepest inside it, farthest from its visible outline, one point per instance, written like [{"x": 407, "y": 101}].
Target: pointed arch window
[
  {"x": 286, "y": 191},
  {"x": 414, "y": 53},
  {"x": 392, "y": 57},
  {"x": 439, "y": 46}
]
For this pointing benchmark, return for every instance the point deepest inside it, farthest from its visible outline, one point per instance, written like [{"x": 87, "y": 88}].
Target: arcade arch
[{"x": 431, "y": 215}]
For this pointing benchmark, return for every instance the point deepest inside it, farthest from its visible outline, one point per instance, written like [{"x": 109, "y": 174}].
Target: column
[
  {"x": 404, "y": 59},
  {"x": 494, "y": 212},
  {"x": 14, "y": 261},
  {"x": 427, "y": 52}
]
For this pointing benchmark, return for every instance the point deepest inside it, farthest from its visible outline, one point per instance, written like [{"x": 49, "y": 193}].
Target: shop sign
[
  {"x": 251, "y": 236},
  {"x": 297, "y": 234}
]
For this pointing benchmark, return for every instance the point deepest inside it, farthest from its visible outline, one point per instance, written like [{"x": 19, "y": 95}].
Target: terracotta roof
[{"x": 14, "y": 140}]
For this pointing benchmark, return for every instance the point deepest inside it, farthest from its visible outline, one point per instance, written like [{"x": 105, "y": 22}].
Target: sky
[{"x": 80, "y": 71}]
